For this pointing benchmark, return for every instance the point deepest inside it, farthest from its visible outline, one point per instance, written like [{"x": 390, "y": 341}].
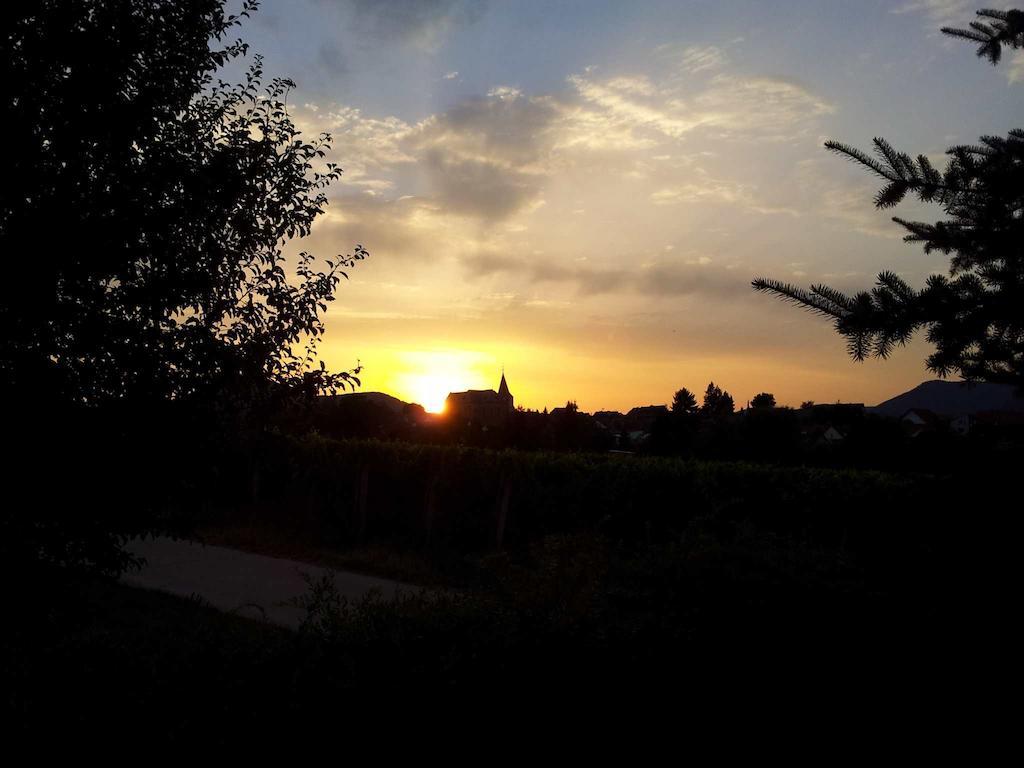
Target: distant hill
[
  {"x": 952, "y": 398},
  {"x": 393, "y": 404},
  {"x": 363, "y": 414}
]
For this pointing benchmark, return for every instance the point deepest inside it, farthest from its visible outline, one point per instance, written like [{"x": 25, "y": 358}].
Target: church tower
[{"x": 504, "y": 396}]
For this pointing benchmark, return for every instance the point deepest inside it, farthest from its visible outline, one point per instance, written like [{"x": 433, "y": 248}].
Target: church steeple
[{"x": 503, "y": 389}]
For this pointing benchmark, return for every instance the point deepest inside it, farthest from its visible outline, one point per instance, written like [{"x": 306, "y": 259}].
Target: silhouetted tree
[
  {"x": 806, "y": 404},
  {"x": 974, "y": 317},
  {"x": 144, "y": 206},
  {"x": 763, "y": 400},
  {"x": 717, "y": 402},
  {"x": 674, "y": 431},
  {"x": 684, "y": 402}
]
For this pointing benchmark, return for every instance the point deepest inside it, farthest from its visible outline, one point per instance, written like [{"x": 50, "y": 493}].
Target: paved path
[{"x": 250, "y": 585}]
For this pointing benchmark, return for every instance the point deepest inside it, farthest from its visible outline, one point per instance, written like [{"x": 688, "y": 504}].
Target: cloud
[
  {"x": 730, "y": 105},
  {"x": 760, "y": 107},
  {"x": 394, "y": 229},
  {"x": 618, "y": 109},
  {"x": 477, "y": 187},
  {"x": 330, "y": 58},
  {"x": 621, "y": 162},
  {"x": 940, "y": 12},
  {"x": 720, "y": 191},
  {"x": 409, "y": 238},
  {"x": 636, "y": 84},
  {"x": 699, "y": 58},
  {"x": 670, "y": 280},
  {"x": 367, "y": 148},
  {"x": 504, "y": 93},
  {"x": 485, "y": 157},
  {"x": 675, "y": 280},
  {"x": 853, "y": 207},
  {"x": 1015, "y": 68},
  {"x": 422, "y": 23},
  {"x": 706, "y": 190},
  {"x": 830, "y": 192},
  {"x": 492, "y": 157}
]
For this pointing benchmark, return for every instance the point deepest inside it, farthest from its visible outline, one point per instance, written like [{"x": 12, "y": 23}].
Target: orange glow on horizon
[
  {"x": 430, "y": 391},
  {"x": 428, "y": 376},
  {"x": 541, "y": 375}
]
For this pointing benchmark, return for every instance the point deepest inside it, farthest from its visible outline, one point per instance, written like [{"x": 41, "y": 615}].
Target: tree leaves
[{"x": 174, "y": 192}]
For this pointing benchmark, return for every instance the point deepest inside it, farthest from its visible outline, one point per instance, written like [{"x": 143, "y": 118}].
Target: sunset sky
[{"x": 582, "y": 191}]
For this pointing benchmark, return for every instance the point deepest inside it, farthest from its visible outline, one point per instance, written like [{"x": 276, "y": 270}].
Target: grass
[
  {"x": 91, "y": 653},
  {"x": 571, "y": 616},
  {"x": 842, "y": 575}
]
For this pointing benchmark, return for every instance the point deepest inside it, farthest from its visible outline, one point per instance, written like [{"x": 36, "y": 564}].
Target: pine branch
[
  {"x": 834, "y": 297},
  {"x": 891, "y": 194},
  {"x": 856, "y": 155},
  {"x": 1006, "y": 28},
  {"x": 965, "y": 34},
  {"x": 810, "y": 300},
  {"x": 884, "y": 150},
  {"x": 858, "y": 345},
  {"x": 897, "y": 286}
]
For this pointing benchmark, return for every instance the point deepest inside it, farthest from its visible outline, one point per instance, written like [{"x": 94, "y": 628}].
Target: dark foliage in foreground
[
  {"x": 474, "y": 500},
  {"x": 572, "y": 617},
  {"x": 146, "y": 204},
  {"x": 146, "y": 307},
  {"x": 617, "y": 576}
]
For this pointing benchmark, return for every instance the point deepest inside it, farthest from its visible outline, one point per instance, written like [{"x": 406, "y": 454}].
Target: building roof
[
  {"x": 484, "y": 395},
  {"x": 923, "y": 415},
  {"x": 477, "y": 395}
]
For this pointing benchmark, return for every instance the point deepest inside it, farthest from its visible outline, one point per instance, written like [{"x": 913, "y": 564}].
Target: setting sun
[
  {"x": 430, "y": 390},
  {"x": 426, "y": 377}
]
